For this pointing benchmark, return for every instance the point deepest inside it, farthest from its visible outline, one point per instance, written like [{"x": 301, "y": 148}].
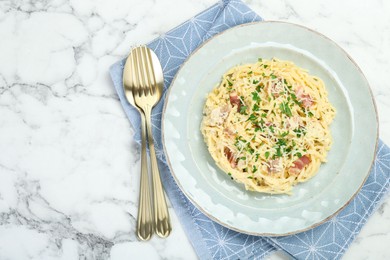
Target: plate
[{"x": 354, "y": 130}]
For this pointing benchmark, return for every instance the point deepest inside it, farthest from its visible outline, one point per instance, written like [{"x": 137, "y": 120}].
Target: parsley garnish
[
  {"x": 273, "y": 76},
  {"x": 255, "y": 81},
  {"x": 271, "y": 128},
  {"x": 250, "y": 72},
  {"x": 284, "y": 134},
  {"x": 250, "y": 149},
  {"x": 255, "y": 96},
  {"x": 285, "y": 108},
  {"x": 299, "y": 132},
  {"x": 259, "y": 59},
  {"x": 254, "y": 169},
  {"x": 278, "y": 152},
  {"x": 229, "y": 82},
  {"x": 266, "y": 155},
  {"x": 243, "y": 110},
  {"x": 281, "y": 142},
  {"x": 252, "y": 117},
  {"x": 255, "y": 107}
]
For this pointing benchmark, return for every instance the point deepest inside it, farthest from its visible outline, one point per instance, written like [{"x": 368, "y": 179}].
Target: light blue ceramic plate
[{"x": 354, "y": 130}]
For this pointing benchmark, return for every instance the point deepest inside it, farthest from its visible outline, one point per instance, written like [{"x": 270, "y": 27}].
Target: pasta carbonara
[{"x": 267, "y": 125}]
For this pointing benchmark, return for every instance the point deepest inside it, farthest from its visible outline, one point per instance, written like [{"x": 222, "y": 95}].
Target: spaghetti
[{"x": 267, "y": 125}]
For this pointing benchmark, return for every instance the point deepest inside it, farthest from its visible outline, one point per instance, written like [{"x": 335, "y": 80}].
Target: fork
[
  {"x": 145, "y": 222},
  {"x": 147, "y": 91}
]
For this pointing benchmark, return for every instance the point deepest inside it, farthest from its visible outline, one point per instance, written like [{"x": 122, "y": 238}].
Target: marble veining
[{"x": 69, "y": 168}]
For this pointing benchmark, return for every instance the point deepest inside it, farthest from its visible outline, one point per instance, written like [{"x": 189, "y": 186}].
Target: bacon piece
[
  {"x": 235, "y": 101},
  {"x": 306, "y": 99},
  {"x": 299, "y": 164},
  {"x": 229, "y": 132},
  {"x": 274, "y": 166},
  {"x": 230, "y": 156}
]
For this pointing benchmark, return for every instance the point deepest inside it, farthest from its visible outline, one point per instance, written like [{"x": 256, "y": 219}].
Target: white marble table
[{"x": 66, "y": 147}]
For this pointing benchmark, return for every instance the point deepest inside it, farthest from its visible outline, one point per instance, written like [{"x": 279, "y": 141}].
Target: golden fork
[
  {"x": 145, "y": 223},
  {"x": 146, "y": 87}
]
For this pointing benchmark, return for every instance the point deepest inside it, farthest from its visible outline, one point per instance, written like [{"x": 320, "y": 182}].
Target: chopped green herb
[
  {"x": 243, "y": 158},
  {"x": 229, "y": 173},
  {"x": 256, "y": 157},
  {"x": 243, "y": 110},
  {"x": 250, "y": 177},
  {"x": 252, "y": 117},
  {"x": 273, "y": 76},
  {"x": 264, "y": 115},
  {"x": 285, "y": 108},
  {"x": 285, "y": 81},
  {"x": 263, "y": 74},
  {"x": 262, "y": 121},
  {"x": 257, "y": 129},
  {"x": 255, "y": 81},
  {"x": 278, "y": 152},
  {"x": 284, "y": 134},
  {"x": 259, "y": 59},
  {"x": 299, "y": 132},
  {"x": 255, "y": 107},
  {"x": 229, "y": 82},
  {"x": 250, "y": 150},
  {"x": 254, "y": 169},
  {"x": 281, "y": 142},
  {"x": 310, "y": 114},
  {"x": 255, "y": 96},
  {"x": 265, "y": 66},
  {"x": 266, "y": 155},
  {"x": 271, "y": 128},
  {"x": 298, "y": 154},
  {"x": 250, "y": 72}
]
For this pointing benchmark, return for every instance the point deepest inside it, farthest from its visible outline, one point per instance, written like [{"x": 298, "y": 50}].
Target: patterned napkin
[{"x": 209, "y": 239}]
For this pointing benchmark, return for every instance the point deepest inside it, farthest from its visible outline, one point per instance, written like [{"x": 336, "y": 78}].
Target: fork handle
[
  {"x": 145, "y": 217},
  {"x": 161, "y": 215}
]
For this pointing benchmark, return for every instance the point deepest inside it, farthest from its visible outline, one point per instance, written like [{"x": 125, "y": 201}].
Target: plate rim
[{"x": 167, "y": 95}]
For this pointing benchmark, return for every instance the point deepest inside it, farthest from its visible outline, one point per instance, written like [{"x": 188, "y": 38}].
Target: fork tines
[{"x": 144, "y": 78}]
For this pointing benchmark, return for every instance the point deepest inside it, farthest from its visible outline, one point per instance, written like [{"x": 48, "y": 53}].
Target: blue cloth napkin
[{"x": 209, "y": 239}]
